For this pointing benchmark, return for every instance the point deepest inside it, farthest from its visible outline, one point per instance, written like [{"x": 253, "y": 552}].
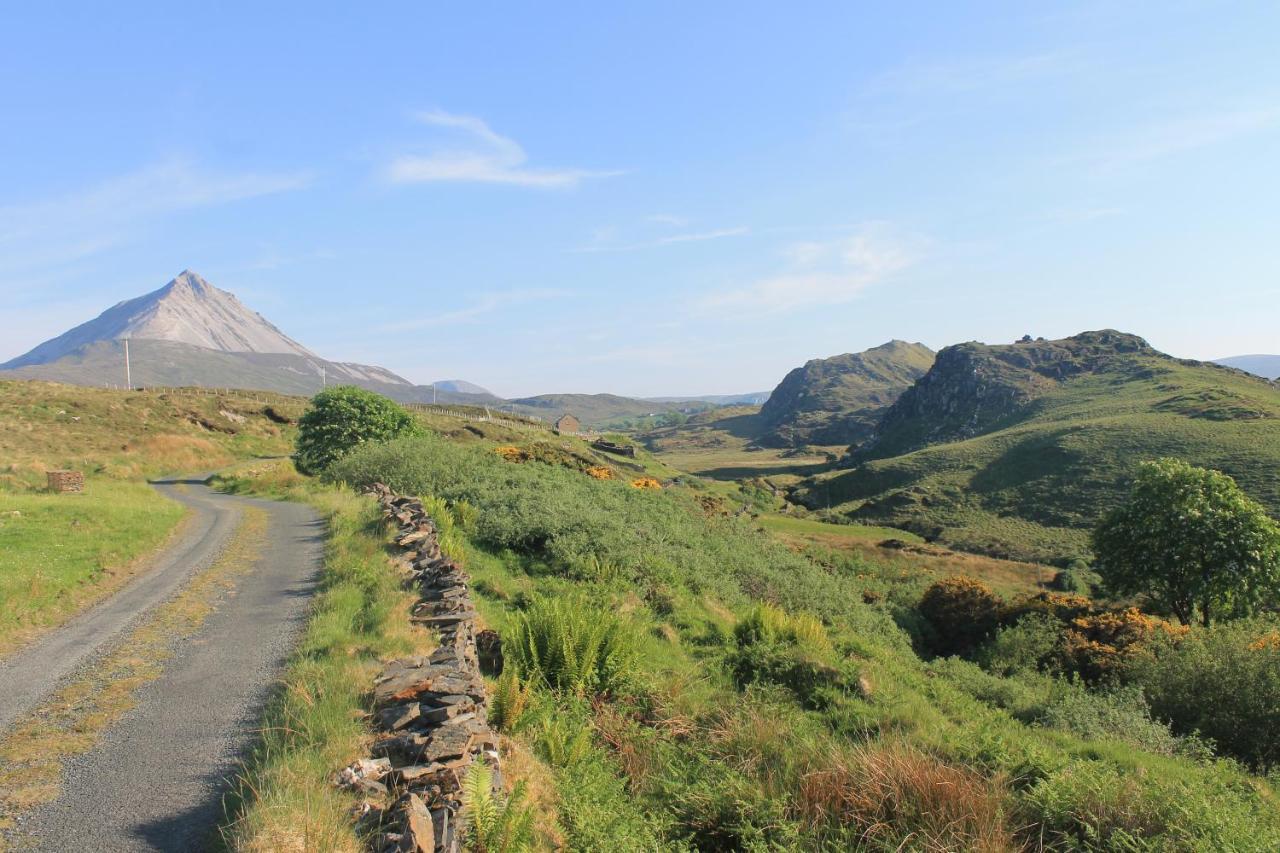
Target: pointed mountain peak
[{"x": 187, "y": 310}]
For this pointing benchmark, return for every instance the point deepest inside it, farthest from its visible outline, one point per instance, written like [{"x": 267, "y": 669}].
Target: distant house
[{"x": 568, "y": 423}]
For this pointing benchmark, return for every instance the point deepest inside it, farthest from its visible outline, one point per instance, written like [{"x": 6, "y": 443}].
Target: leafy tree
[
  {"x": 342, "y": 418},
  {"x": 1191, "y": 540}
]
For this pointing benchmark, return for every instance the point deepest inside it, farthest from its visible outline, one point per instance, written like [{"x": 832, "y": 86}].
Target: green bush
[
  {"x": 1029, "y": 644},
  {"x": 341, "y": 419},
  {"x": 1222, "y": 682},
  {"x": 773, "y": 646},
  {"x": 571, "y": 645},
  {"x": 1120, "y": 714}
]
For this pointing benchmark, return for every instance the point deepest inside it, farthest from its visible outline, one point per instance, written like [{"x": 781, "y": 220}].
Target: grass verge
[{"x": 60, "y": 553}]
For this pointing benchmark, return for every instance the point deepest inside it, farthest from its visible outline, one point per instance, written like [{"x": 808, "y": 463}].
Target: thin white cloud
[
  {"x": 1165, "y": 138},
  {"x": 974, "y": 74},
  {"x": 667, "y": 219},
  {"x": 76, "y": 225},
  {"x": 489, "y": 157},
  {"x": 819, "y": 274},
  {"x": 488, "y": 303},
  {"x": 670, "y": 239}
]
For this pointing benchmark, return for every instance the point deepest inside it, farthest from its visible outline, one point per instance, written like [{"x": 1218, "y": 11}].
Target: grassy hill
[
  {"x": 748, "y": 695},
  {"x": 838, "y": 400},
  {"x": 1018, "y": 450},
  {"x": 597, "y": 409}
]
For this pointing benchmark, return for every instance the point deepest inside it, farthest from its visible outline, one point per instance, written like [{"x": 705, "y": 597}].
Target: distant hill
[
  {"x": 462, "y": 386},
  {"x": 754, "y": 398},
  {"x": 1017, "y": 450},
  {"x": 592, "y": 409},
  {"x": 838, "y": 400},
  {"x": 1267, "y": 366}
]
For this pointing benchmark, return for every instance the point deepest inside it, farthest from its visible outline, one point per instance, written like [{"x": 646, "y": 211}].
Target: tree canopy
[
  {"x": 1190, "y": 539},
  {"x": 342, "y": 418}
]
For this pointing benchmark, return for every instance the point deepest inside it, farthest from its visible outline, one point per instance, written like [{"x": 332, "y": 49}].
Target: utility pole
[
  {"x": 433, "y": 393},
  {"x": 324, "y": 378},
  {"x": 128, "y": 376}
]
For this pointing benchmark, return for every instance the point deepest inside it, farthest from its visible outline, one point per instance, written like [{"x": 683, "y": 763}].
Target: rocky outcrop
[
  {"x": 973, "y": 387},
  {"x": 429, "y": 710},
  {"x": 838, "y": 400}
]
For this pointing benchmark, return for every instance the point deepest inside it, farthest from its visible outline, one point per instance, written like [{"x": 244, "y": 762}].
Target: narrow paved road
[{"x": 156, "y": 780}]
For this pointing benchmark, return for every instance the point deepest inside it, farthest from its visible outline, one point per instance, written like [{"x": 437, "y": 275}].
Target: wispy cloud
[
  {"x": 667, "y": 219},
  {"x": 974, "y": 74},
  {"x": 488, "y": 303},
  {"x": 1168, "y": 137},
  {"x": 670, "y": 239},
  {"x": 76, "y": 225},
  {"x": 821, "y": 273},
  {"x": 488, "y": 157}
]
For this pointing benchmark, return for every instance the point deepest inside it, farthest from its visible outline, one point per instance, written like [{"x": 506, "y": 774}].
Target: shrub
[
  {"x": 1030, "y": 644},
  {"x": 1120, "y": 714},
  {"x": 569, "y": 644},
  {"x": 1223, "y": 682},
  {"x": 341, "y": 419},
  {"x": 962, "y": 612},
  {"x": 1102, "y": 646},
  {"x": 772, "y": 646}
]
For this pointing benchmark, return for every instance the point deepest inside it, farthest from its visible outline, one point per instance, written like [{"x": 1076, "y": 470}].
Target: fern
[
  {"x": 509, "y": 702},
  {"x": 494, "y": 826},
  {"x": 573, "y": 646}
]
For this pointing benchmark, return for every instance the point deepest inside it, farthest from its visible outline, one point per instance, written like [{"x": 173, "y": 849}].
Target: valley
[{"x": 881, "y": 579}]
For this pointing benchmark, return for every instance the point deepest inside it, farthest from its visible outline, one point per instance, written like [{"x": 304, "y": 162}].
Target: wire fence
[{"x": 479, "y": 415}]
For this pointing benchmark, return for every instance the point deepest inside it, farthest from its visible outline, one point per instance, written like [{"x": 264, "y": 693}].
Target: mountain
[
  {"x": 754, "y": 398},
  {"x": 462, "y": 386},
  {"x": 192, "y": 333},
  {"x": 1267, "y": 366},
  {"x": 1017, "y": 450},
  {"x": 838, "y": 400},
  {"x": 187, "y": 310},
  {"x": 593, "y": 409}
]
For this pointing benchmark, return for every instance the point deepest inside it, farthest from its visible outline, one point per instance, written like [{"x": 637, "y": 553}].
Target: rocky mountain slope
[
  {"x": 838, "y": 400},
  {"x": 1017, "y": 450},
  {"x": 187, "y": 310}
]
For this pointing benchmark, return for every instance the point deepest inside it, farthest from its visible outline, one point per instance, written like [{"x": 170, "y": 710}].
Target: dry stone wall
[{"x": 430, "y": 711}]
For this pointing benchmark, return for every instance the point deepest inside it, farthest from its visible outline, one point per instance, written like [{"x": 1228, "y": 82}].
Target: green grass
[
  {"x": 812, "y": 527},
  {"x": 60, "y": 551},
  {"x": 750, "y": 739},
  {"x": 1033, "y": 486}
]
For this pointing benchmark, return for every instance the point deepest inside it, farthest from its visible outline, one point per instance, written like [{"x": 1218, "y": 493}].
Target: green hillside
[
  {"x": 1018, "y": 450},
  {"x": 838, "y": 400},
  {"x": 597, "y": 409}
]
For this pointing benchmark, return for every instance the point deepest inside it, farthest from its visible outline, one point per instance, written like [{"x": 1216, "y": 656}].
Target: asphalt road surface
[{"x": 156, "y": 780}]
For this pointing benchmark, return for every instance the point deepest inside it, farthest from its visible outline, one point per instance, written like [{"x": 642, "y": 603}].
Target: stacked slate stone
[{"x": 430, "y": 710}]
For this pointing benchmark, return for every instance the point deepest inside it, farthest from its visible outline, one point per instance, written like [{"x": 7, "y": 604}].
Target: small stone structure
[
  {"x": 627, "y": 450},
  {"x": 66, "y": 481},
  {"x": 567, "y": 423},
  {"x": 429, "y": 711}
]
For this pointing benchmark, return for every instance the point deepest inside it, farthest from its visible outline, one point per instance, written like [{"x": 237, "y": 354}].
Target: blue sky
[{"x": 656, "y": 198}]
